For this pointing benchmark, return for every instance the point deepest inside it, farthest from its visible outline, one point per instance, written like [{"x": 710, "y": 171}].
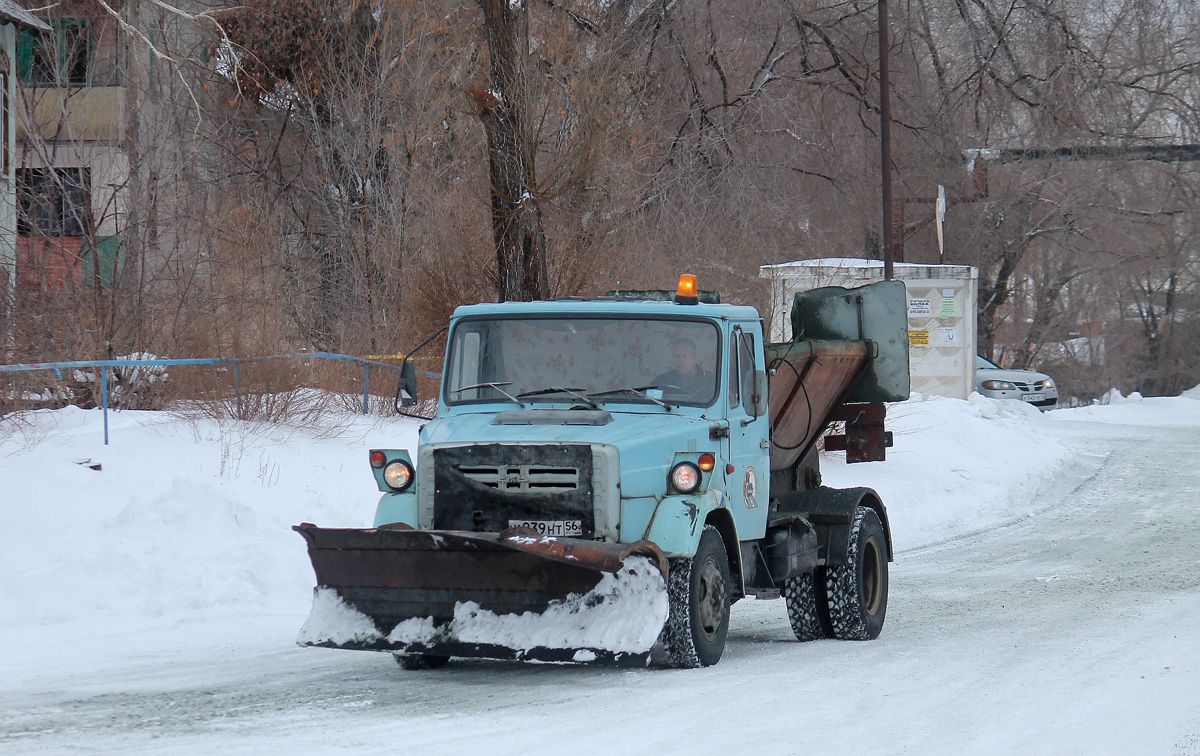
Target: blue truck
[{"x": 605, "y": 477}]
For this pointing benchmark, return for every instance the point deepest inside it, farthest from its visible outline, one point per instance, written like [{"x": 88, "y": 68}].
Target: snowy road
[{"x": 1074, "y": 630}]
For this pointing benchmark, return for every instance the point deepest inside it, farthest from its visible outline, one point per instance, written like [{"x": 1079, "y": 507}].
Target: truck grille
[
  {"x": 487, "y": 486},
  {"x": 536, "y": 478}
]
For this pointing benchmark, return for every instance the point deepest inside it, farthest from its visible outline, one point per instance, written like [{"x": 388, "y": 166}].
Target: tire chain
[
  {"x": 841, "y": 581},
  {"x": 800, "y": 593},
  {"x": 676, "y": 638}
]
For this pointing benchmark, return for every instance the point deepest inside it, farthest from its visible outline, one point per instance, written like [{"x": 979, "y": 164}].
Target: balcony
[
  {"x": 92, "y": 113},
  {"x": 65, "y": 263}
]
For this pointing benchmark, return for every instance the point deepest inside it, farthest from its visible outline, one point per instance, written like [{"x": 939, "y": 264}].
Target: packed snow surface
[{"x": 1043, "y": 601}]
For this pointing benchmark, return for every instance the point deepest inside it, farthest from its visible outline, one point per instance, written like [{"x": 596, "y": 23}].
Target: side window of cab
[
  {"x": 745, "y": 345},
  {"x": 741, "y": 369},
  {"x": 735, "y": 397}
]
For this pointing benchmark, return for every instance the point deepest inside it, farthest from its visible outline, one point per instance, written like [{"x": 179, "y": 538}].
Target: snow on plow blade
[{"x": 510, "y": 595}]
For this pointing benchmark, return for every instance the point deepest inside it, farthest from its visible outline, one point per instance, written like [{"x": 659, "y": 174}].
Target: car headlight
[
  {"x": 398, "y": 474},
  {"x": 999, "y": 386},
  {"x": 685, "y": 477},
  {"x": 1049, "y": 383}
]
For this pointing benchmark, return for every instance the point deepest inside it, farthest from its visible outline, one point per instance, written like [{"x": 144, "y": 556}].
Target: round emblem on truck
[{"x": 750, "y": 488}]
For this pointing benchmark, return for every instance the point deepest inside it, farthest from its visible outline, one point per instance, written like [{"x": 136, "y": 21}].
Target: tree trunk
[
  {"x": 993, "y": 296},
  {"x": 504, "y": 110}
]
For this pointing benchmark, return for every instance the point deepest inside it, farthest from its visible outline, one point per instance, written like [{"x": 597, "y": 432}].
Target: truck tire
[
  {"x": 858, "y": 589},
  {"x": 806, "y": 607},
  {"x": 698, "y": 594},
  {"x": 421, "y": 661}
]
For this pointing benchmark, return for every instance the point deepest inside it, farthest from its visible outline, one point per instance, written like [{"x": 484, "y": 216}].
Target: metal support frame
[
  {"x": 104, "y": 400},
  {"x": 366, "y": 387},
  {"x": 236, "y": 362},
  {"x": 865, "y": 439},
  {"x": 978, "y": 161},
  {"x": 237, "y": 389}
]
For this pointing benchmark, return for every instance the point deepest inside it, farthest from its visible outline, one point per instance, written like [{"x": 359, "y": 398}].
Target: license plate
[
  {"x": 1033, "y": 397},
  {"x": 550, "y": 527}
]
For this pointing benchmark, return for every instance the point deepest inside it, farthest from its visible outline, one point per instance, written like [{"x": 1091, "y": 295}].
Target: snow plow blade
[{"x": 510, "y": 595}]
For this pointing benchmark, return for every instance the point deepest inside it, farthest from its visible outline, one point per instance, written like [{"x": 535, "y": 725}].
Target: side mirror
[
  {"x": 761, "y": 406},
  {"x": 408, "y": 384}
]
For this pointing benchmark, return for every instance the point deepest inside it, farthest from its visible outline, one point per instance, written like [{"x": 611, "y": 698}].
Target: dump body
[{"x": 809, "y": 379}]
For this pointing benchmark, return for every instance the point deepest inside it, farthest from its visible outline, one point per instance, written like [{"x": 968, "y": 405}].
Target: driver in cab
[{"x": 686, "y": 375}]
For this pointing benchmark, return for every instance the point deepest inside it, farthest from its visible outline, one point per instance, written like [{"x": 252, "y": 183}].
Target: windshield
[{"x": 587, "y": 360}]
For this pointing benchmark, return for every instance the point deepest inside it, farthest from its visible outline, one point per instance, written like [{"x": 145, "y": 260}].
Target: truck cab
[{"x": 613, "y": 420}]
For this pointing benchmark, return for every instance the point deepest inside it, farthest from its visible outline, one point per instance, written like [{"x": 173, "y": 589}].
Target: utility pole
[{"x": 885, "y": 139}]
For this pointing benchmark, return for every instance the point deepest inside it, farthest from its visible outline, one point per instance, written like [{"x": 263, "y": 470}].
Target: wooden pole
[{"x": 885, "y": 140}]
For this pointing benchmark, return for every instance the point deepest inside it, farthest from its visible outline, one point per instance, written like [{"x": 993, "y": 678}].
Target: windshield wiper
[
  {"x": 575, "y": 392},
  {"x": 636, "y": 391},
  {"x": 494, "y": 385}
]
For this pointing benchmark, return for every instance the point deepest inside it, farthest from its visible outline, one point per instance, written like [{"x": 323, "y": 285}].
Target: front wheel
[
  {"x": 858, "y": 590},
  {"x": 698, "y": 592}
]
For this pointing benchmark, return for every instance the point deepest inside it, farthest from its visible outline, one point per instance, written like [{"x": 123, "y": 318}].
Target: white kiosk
[{"x": 942, "y": 306}]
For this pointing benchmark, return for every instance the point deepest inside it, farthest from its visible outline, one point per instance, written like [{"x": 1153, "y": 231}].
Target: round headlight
[
  {"x": 398, "y": 474},
  {"x": 685, "y": 477}
]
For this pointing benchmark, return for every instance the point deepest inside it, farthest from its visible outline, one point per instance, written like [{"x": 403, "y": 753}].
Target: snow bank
[
  {"x": 180, "y": 519},
  {"x": 956, "y": 466},
  {"x": 1135, "y": 409},
  {"x": 1192, "y": 393}
]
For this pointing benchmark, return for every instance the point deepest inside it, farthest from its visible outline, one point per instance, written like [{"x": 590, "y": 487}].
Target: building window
[
  {"x": 53, "y": 202},
  {"x": 58, "y": 58}
]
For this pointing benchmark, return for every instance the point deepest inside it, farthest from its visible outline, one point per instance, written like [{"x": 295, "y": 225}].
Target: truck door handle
[{"x": 764, "y": 444}]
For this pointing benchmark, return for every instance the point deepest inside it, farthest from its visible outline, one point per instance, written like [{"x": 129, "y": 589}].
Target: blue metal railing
[{"x": 236, "y": 362}]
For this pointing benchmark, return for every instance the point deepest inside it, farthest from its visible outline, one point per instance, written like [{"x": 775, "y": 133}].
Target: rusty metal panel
[{"x": 808, "y": 380}]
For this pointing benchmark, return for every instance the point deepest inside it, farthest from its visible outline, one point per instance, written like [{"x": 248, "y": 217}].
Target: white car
[{"x": 1037, "y": 389}]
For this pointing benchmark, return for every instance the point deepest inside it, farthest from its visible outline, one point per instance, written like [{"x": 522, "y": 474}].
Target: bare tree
[{"x": 506, "y": 110}]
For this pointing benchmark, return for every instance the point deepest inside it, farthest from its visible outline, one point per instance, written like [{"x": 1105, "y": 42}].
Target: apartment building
[
  {"x": 71, "y": 161},
  {"x": 14, "y": 21}
]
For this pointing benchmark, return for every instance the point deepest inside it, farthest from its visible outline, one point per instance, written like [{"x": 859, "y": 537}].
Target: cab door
[{"x": 749, "y": 450}]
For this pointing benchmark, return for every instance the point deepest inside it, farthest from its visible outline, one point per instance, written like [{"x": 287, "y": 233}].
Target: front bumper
[{"x": 1049, "y": 401}]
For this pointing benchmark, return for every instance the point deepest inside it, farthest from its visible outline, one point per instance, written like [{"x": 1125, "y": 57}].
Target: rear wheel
[
  {"x": 858, "y": 589},
  {"x": 806, "y": 606},
  {"x": 421, "y": 661},
  {"x": 698, "y": 591}
]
